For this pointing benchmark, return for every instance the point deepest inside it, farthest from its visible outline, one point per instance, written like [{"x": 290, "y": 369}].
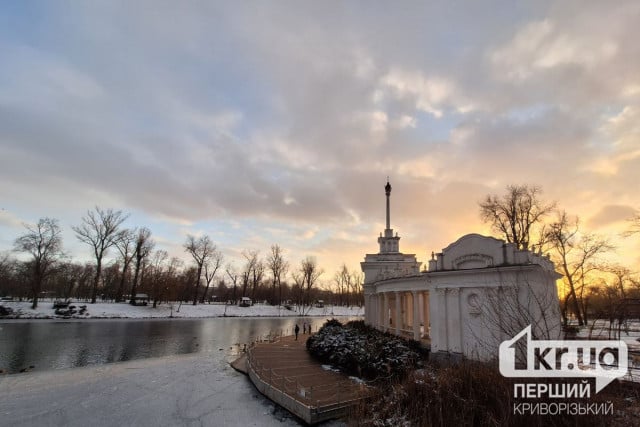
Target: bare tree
[
  {"x": 505, "y": 310},
  {"x": 634, "y": 225},
  {"x": 576, "y": 254},
  {"x": 278, "y": 267},
  {"x": 257, "y": 273},
  {"x": 84, "y": 280},
  {"x": 514, "y": 214},
  {"x": 298, "y": 290},
  {"x": 357, "y": 280},
  {"x": 6, "y": 263},
  {"x": 349, "y": 286},
  {"x": 233, "y": 275},
  {"x": 7, "y": 273},
  {"x": 306, "y": 278},
  {"x": 211, "y": 267},
  {"x": 44, "y": 243},
  {"x": 249, "y": 272},
  {"x": 342, "y": 279},
  {"x": 188, "y": 277},
  {"x": 158, "y": 261},
  {"x": 144, "y": 246},
  {"x": 622, "y": 275},
  {"x": 110, "y": 280},
  {"x": 67, "y": 277},
  {"x": 172, "y": 274},
  {"x": 10, "y": 285},
  {"x": 99, "y": 229},
  {"x": 201, "y": 250},
  {"x": 126, "y": 245},
  {"x": 614, "y": 292}
]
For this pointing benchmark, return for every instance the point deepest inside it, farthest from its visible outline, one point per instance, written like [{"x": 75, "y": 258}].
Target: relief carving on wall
[
  {"x": 473, "y": 300},
  {"x": 470, "y": 261},
  {"x": 395, "y": 273}
]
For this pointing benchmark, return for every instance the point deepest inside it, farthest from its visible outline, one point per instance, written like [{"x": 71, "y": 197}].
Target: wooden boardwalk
[{"x": 284, "y": 371}]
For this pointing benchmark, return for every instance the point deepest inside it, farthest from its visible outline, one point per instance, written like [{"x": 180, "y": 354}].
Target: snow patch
[{"x": 22, "y": 310}]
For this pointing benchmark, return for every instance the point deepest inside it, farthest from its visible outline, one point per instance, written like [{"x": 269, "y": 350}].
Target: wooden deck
[{"x": 285, "y": 372}]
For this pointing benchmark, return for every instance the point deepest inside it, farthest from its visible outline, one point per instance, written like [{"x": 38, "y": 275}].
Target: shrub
[
  {"x": 361, "y": 350},
  {"x": 475, "y": 394}
]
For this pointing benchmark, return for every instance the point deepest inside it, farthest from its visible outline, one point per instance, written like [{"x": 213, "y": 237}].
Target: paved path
[{"x": 310, "y": 387}]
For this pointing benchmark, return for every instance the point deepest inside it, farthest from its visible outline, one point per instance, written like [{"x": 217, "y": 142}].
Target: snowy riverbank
[
  {"x": 186, "y": 390},
  {"x": 22, "y": 310}
]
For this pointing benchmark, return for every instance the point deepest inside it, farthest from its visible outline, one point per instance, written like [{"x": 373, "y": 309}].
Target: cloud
[
  {"x": 576, "y": 56},
  {"x": 8, "y": 219},
  {"x": 427, "y": 94},
  {"x": 611, "y": 214},
  {"x": 290, "y": 117},
  {"x": 542, "y": 45}
]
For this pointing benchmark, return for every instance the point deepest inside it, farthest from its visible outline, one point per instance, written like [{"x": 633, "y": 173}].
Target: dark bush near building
[
  {"x": 358, "y": 349},
  {"x": 414, "y": 392},
  {"x": 475, "y": 394}
]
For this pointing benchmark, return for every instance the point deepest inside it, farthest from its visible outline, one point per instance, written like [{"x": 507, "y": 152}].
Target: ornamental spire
[
  {"x": 388, "y": 242},
  {"x": 387, "y": 191}
]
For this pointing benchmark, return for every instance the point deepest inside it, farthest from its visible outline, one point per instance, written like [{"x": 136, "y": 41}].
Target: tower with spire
[
  {"x": 389, "y": 261},
  {"x": 389, "y": 244}
]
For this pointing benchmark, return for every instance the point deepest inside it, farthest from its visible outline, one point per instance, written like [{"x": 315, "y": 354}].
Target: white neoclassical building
[{"x": 476, "y": 293}]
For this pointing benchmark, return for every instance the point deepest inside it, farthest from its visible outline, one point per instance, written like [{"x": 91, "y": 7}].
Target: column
[
  {"x": 380, "y": 321},
  {"x": 373, "y": 303},
  {"x": 423, "y": 331},
  {"x": 416, "y": 315},
  {"x": 408, "y": 307},
  {"x": 407, "y": 311},
  {"x": 374, "y": 310},
  {"x": 439, "y": 329},
  {"x": 454, "y": 326},
  {"x": 385, "y": 313},
  {"x": 398, "y": 318},
  {"x": 426, "y": 318},
  {"x": 373, "y": 317},
  {"x": 367, "y": 309}
]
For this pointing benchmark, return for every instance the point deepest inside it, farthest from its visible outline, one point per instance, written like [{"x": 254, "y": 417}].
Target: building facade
[{"x": 475, "y": 293}]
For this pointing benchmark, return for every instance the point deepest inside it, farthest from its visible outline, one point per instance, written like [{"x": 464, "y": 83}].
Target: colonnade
[{"x": 403, "y": 313}]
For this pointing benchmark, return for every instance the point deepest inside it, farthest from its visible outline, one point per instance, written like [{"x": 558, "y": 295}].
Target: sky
[{"x": 263, "y": 123}]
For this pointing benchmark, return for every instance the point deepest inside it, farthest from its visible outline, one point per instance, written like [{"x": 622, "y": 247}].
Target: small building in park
[
  {"x": 141, "y": 299},
  {"x": 474, "y": 294}
]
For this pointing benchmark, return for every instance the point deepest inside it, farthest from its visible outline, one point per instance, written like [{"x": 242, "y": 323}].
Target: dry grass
[
  {"x": 475, "y": 394},
  {"x": 462, "y": 394}
]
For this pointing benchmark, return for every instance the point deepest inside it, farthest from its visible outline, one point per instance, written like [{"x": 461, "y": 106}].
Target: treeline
[
  {"x": 139, "y": 267},
  {"x": 593, "y": 286}
]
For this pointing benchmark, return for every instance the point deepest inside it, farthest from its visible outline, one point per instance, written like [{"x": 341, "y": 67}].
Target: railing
[{"x": 324, "y": 397}]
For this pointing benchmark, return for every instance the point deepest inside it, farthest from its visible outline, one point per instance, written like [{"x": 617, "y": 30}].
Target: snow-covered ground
[
  {"x": 189, "y": 390},
  {"x": 599, "y": 329},
  {"x": 45, "y": 310}
]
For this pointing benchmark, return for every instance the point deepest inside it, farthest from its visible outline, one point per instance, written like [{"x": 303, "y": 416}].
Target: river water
[{"x": 46, "y": 345}]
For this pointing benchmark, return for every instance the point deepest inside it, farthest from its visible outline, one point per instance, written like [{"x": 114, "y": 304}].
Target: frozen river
[
  {"x": 174, "y": 373},
  {"x": 47, "y": 344}
]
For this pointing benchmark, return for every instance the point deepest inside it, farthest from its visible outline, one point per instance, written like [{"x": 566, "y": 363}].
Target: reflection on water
[{"x": 56, "y": 345}]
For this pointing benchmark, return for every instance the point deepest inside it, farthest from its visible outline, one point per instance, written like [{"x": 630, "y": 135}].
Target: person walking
[{"x": 296, "y": 330}]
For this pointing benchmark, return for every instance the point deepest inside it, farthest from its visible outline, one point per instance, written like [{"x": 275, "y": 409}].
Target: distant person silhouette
[{"x": 296, "y": 330}]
